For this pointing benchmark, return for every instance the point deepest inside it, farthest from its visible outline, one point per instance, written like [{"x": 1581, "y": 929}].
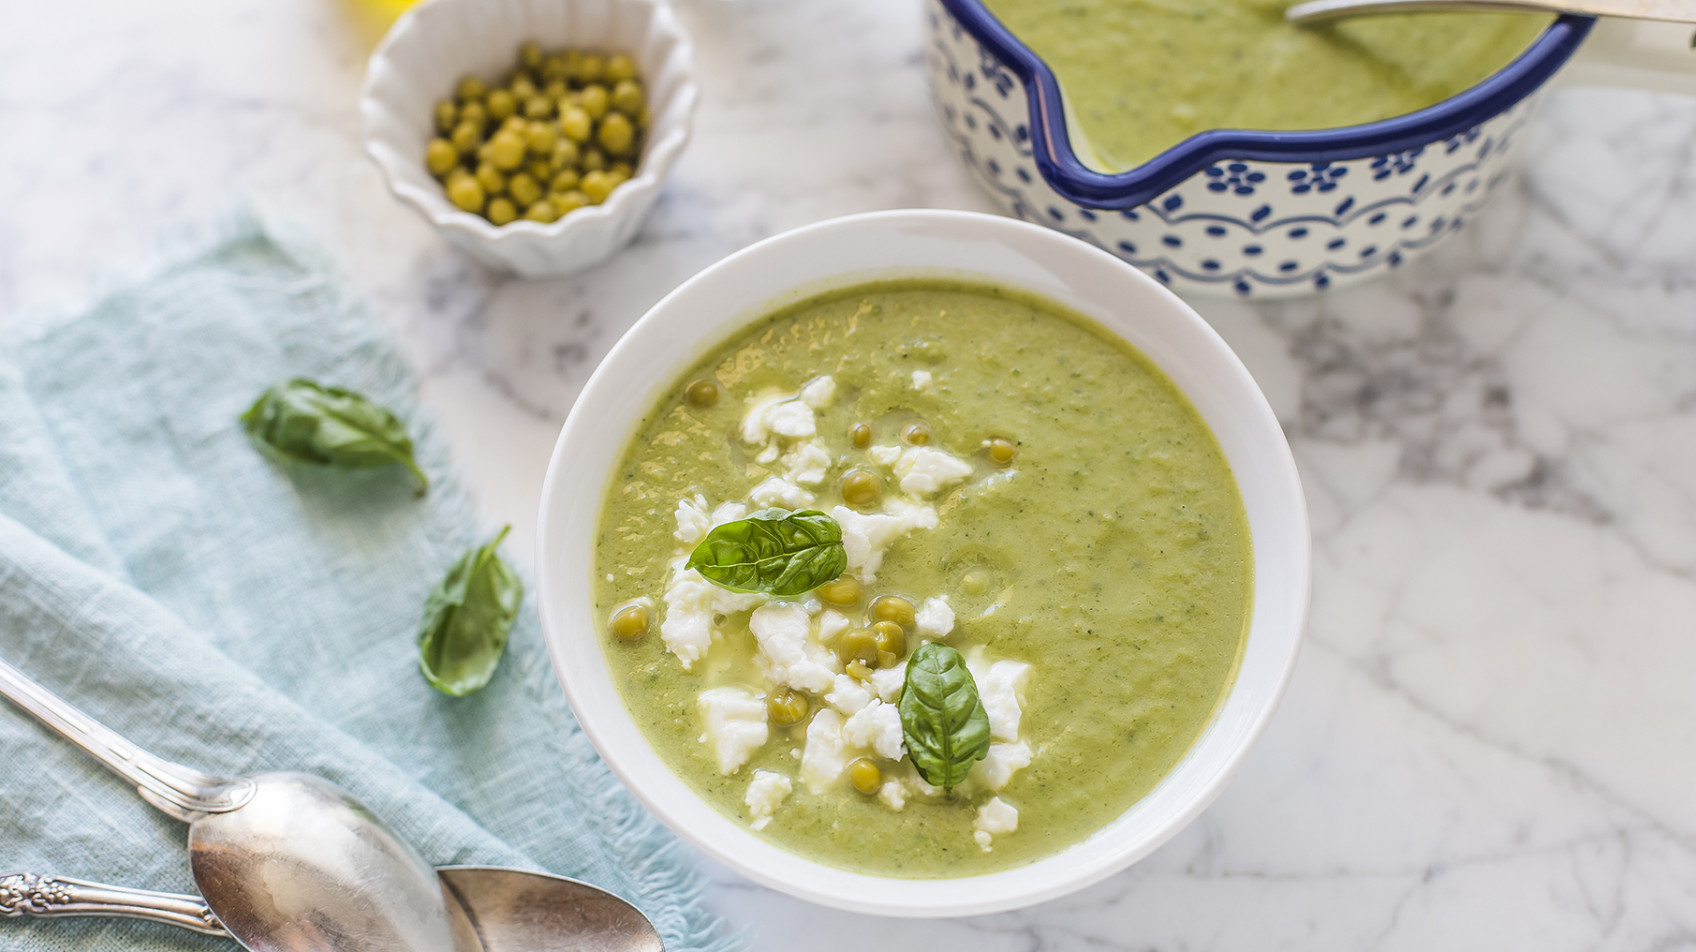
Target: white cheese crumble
[
  {"x": 831, "y": 624},
  {"x": 887, "y": 682},
  {"x": 735, "y": 720},
  {"x": 999, "y": 685},
  {"x": 825, "y": 756},
  {"x": 884, "y": 455},
  {"x": 691, "y": 602},
  {"x": 692, "y": 520},
  {"x": 926, "y": 470},
  {"x": 921, "y": 380},
  {"x": 996, "y": 816},
  {"x": 848, "y": 695},
  {"x": 865, "y": 536},
  {"x": 893, "y": 793},
  {"x": 729, "y": 512},
  {"x": 807, "y": 464},
  {"x": 934, "y": 619},
  {"x": 819, "y": 392},
  {"x": 779, "y": 492},
  {"x": 765, "y": 792},
  {"x": 787, "y": 655},
  {"x": 998, "y": 766},
  {"x": 877, "y": 726},
  {"x": 772, "y": 415}
]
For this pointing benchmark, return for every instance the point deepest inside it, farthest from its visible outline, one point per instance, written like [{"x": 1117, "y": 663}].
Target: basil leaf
[
  {"x": 303, "y": 422},
  {"x": 466, "y": 621},
  {"x": 942, "y": 717},
  {"x": 774, "y": 551}
]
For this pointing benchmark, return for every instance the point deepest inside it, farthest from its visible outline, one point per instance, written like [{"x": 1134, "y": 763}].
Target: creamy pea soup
[
  {"x": 1010, "y": 481},
  {"x": 1139, "y": 76}
]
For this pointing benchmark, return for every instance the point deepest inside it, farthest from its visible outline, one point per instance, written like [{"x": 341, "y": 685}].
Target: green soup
[
  {"x": 1140, "y": 76},
  {"x": 1111, "y": 554}
]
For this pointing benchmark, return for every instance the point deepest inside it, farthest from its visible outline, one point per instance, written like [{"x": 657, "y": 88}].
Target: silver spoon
[
  {"x": 1672, "y": 11},
  {"x": 286, "y": 862},
  {"x": 492, "y": 910}
]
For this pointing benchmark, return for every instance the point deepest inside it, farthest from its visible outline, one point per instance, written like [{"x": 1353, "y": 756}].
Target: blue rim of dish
[{"x": 1051, "y": 144}]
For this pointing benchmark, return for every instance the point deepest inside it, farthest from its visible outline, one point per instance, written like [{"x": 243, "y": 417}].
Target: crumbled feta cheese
[
  {"x": 848, "y": 695},
  {"x": 865, "y": 536},
  {"x": 999, "y": 685},
  {"x": 893, "y": 793},
  {"x": 923, "y": 470},
  {"x": 692, "y": 521},
  {"x": 825, "y": 756},
  {"x": 781, "y": 493},
  {"x": 687, "y": 628},
  {"x": 831, "y": 624},
  {"x": 887, "y": 682},
  {"x": 934, "y": 619},
  {"x": 884, "y": 455},
  {"x": 787, "y": 655},
  {"x": 820, "y": 392},
  {"x": 777, "y": 415},
  {"x": 729, "y": 512},
  {"x": 996, "y": 816},
  {"x": 735, "y": 721},
  {"x": 998, "y": 766},
  {"x": 807, "y": 463},
  {"x": 878, "y": 726},
  {"x": 921, "y": 380},
  {"x": 765, "y": 792}
]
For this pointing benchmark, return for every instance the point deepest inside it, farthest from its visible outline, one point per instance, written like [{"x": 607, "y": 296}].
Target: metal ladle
[
  {"x": 286, "y": 862},
  {"x": 1671, "y": 11},
  {"x": 492, "y": 910}
]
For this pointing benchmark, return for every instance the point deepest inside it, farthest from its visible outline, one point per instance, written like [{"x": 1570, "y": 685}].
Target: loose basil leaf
[
  {"x": 774, "y": 551},
  {"x": 466, "y": 621},
  {"x": 304, "y": 422},
  {"x": 942, "y": 717}
]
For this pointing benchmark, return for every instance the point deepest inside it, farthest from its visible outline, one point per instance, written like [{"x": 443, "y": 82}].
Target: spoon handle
[
  {"x": 173, "y": 788},
  {"x": 50, "y": 897},
  {"x": 1673, "y": 11}
]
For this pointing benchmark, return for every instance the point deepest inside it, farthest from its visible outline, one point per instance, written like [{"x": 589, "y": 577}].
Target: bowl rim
[
  {"x": 1058, "y": 162},
  {"x": 659, "y": 153},
  {"x": 608, "y": 724}
]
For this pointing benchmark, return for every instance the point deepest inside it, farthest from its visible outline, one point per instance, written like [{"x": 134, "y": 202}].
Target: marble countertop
[{"x": 1490, "y": 741}]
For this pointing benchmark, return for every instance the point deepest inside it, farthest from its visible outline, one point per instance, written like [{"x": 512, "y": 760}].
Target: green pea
[
  {"x": 594, "y": 160},
  {"x": 568, "y": 202},
  {"x": 860, "y": 488},
  {"x": 616, "y": 134},
  {"x": 565, "y": 181},
  {"x": 787, "y": 707},
  {"x": 524, "y": 190},
  {"x": 538, "y": 107},
  {"x": 471, "y": 88},
  {"x": 543, "y": 211},
  {"x": 530, "y": 54},
  {"x": 447, "y": 115},
  {"x": 565, "y": 153},
  {"x": 843, "y": 591},
  {"x": 894, "y": 608},
  {"x": 858, "y": 645},
  {"x": 575, "y": 124},
  {"x": 490, "y": 178},
  {"x": 506, "y": 150},
  {"x": 702, "y": 393},
  {"x": 440, "y": 157},
  {"x": 865, "y": 776},
  {"x": 465, "y": 192},
  {"x": 1000, "y": 451},
  {"x": 627, "y": 97},
  {"x": 502, "y": 211},
  {"x": 595, "y": 99},
  {"x": 502, "y": 104},
  {"x": 591, "y": 68},
  {"x": 475, "y": 113},
  {"x": 597, "y": 185},
  {"x": 467, "y": 137},
  {"x": 630, "y": 622},
  {"x": 522, "y": 88},
  {"x": 542, "y": 137},
  {"x": 554, "y": 66},
  {"x": 620, "y": 67}
]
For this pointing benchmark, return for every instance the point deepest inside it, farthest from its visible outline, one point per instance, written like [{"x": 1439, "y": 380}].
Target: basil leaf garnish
[
  {"x": 774, "y": 551},
  {"x": 942, "y": 717},
  {"x": 303, "y": 422},
  {"x": 466, "y": 621}
]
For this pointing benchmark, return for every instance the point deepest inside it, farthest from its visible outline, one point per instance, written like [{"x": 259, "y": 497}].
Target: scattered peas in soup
[{"x": 923, "y": 579}]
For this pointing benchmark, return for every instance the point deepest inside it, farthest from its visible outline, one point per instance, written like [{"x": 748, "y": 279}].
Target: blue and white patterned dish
[{"x": 1261, "y": 214}]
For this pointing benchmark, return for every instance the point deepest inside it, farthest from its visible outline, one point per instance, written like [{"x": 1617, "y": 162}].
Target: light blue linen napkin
[{"x": 239, "y": 616}]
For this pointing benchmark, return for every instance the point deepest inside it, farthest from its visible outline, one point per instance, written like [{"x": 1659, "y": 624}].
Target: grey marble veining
[{"x": 1490, "y": 741}]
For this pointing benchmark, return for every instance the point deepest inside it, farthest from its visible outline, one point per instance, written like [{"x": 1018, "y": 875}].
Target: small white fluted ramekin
[{"x": 434, "y": 44}]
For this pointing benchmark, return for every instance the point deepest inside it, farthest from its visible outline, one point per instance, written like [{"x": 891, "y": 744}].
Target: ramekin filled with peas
[{"x": 539, "y": 131}]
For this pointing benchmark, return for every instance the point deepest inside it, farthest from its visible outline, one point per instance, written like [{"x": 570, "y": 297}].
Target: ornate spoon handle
[
  {"x": 173, "y": 788},
  {"x": 50, "y": 897},
  {"x": 1674, "y": 11}
]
